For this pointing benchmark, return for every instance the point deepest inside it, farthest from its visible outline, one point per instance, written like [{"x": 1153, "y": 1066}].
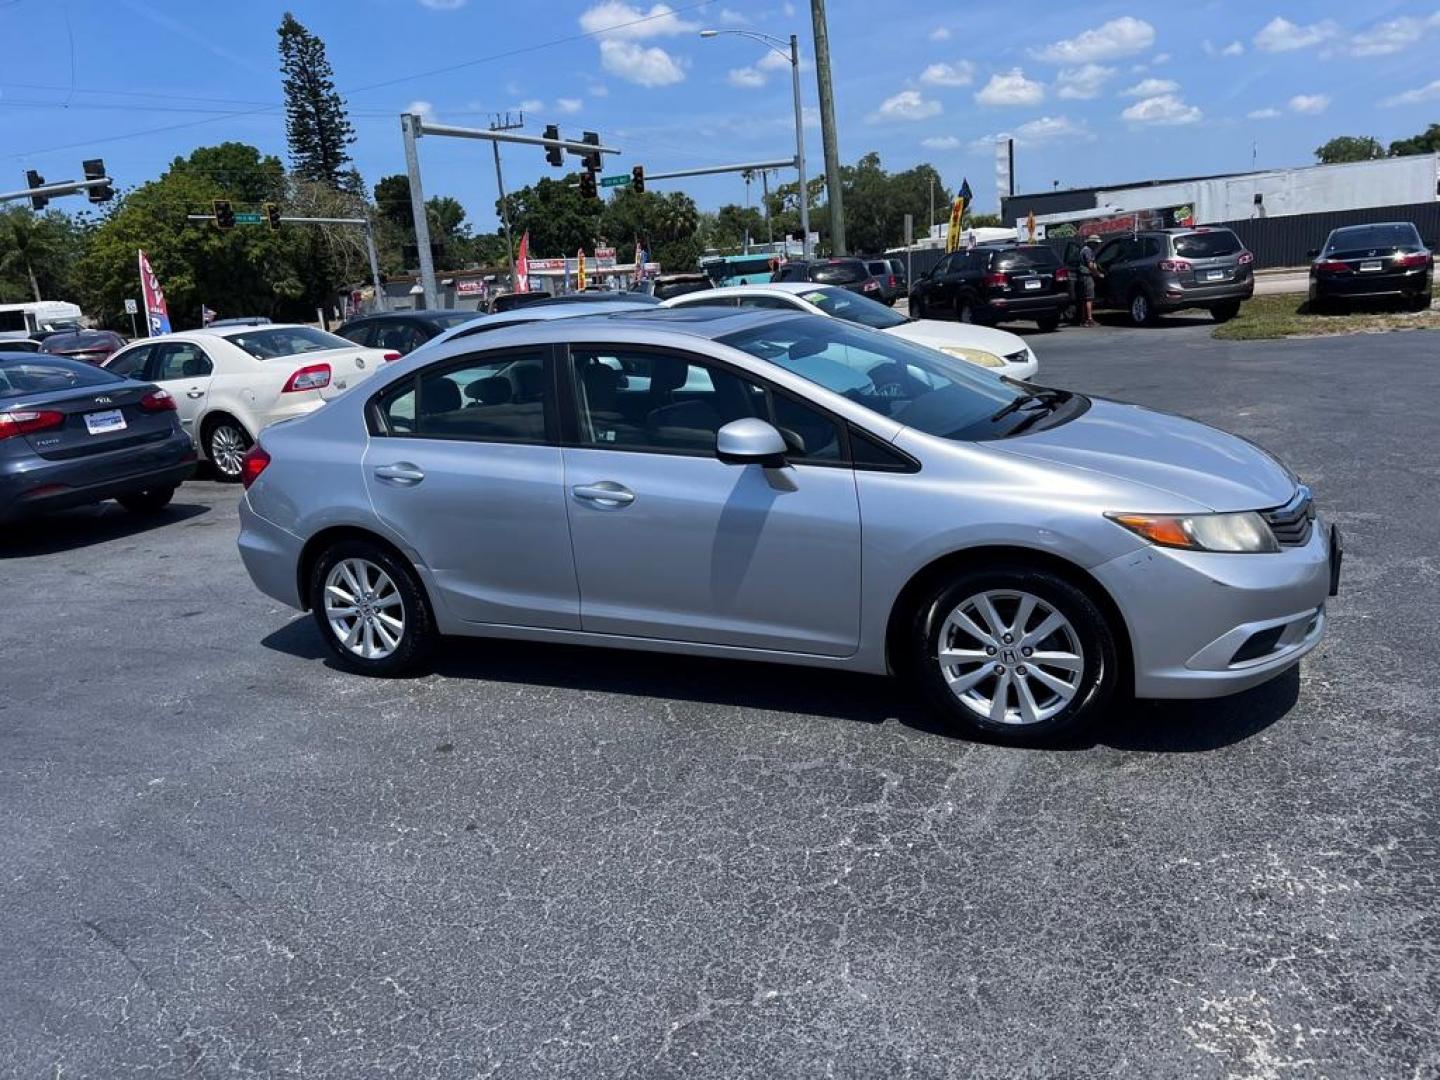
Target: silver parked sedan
[{"x": 788, "y": 487}]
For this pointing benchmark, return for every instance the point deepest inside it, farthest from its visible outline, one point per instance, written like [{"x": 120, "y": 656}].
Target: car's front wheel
[
  {"x": 225, "y": 445},
  {"x": 370, "y": 609},
  {"x": 1014, "y": 654}
]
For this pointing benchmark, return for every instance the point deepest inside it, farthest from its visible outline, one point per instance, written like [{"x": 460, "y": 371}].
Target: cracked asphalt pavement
[{"x": 221, "y": 857}]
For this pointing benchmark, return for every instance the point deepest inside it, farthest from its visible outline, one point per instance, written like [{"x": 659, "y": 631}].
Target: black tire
[
  {"x": 147, "y": 502},
  {"x": 918, "y": 309},
  {"x": 1093, "y": 686},
  {"x": 418, "y": 636},
  {"x": 1142, "y": 309},
  {"x": 965, "y": 312},
  {"x": 1419, "y": 303},
  {"x": 1226, "y": 311},
  {"x": 228, "y": 433},
  {"x": 1050, "y": 325}
]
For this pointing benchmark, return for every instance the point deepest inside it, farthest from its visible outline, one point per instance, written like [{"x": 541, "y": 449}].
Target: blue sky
[{"x": 1095, "y": 93}]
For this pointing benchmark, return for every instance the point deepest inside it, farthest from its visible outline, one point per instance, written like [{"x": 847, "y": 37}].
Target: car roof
[{"x": 791, "y": 287}]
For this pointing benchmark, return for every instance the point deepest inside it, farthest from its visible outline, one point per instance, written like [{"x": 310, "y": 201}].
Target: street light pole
[{"x": 793, "y": 55}]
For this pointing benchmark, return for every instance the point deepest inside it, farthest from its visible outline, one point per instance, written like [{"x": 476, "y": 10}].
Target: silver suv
[{"x": 777, "y": 486}]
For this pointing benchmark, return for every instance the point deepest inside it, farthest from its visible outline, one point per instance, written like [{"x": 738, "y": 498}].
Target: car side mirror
[
  {"x": 750, "y": 442},
  {"x": 1312, "y": 253}
]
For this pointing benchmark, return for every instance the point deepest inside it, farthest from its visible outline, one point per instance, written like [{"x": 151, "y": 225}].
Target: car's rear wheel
[
  {"x": 1048, "y": 325},
  {"x": 225, "y": 445},
  {"x": 1142, "y": 311},
  {"x": 1015, "y": 654},
  {"x": 1226, "y": 311},
  {"x": 1419, "y": 302},
  {"x": 370, "y": 609},
  {"x": 147, "y": 502}
]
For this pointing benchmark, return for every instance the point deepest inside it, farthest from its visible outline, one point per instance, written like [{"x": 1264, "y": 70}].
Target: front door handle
[
  {"x": 402, "y": 473},
  {"x": 604, "y": 493},
  {"x": 195, "y": 393}
]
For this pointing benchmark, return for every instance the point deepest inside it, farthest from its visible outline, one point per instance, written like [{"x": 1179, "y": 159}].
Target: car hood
[
  {"x": 1168, "y": 453},
  {"x": 935, "y": 334}
]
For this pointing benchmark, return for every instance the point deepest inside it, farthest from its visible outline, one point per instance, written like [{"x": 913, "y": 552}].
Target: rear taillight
[
  {"x": 893, "y": 282},
  {"x": 1332, "y": 266},
  {"x": 29, "y": 421},
  {"x": 1245, "y": 258},
  {"x": 253, "y": 464},
  {"x": 391, "y": 357},
  {"x": 1413, "y": 258},
  {"x": 1174, "y": 266},
  {"x": 1063, "y": 274},
  {"x": 311, "y": 377},
  {"x": 997, "y": 281},
  {"x": 158, "y": 401}
]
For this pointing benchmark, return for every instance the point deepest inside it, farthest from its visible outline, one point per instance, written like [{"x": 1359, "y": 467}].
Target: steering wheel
[{"x": 891, "y": 380}]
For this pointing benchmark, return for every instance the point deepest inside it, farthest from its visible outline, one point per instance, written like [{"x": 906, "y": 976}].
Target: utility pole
[
  {"x": 505, "y": 124},
  {"x": 932, "y": 205},
  {"x": 410, "y": 127},
  {"x": 827, "y": 128},
  {"x": 765, "y": 196}
]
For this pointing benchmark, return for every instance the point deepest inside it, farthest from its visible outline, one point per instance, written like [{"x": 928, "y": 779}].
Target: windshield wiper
[{"x": 1046, "y": 395}]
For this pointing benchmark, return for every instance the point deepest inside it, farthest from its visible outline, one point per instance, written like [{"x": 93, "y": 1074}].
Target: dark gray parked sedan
[{"x": 72, "y": 434}]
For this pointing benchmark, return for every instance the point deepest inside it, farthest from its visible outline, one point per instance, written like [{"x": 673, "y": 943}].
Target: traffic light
[
  {"x": 553, "y": 154},
  {"x": 637, "y": 179},
  {"x": 272, "y": 215},
  {"x": 95, "y": 170},
  {"x": 33, "y": 180},
  {"x": 591, "y": 158},
  {"x": 587, "y": 185},
  {"x": 224, "y": 214}
]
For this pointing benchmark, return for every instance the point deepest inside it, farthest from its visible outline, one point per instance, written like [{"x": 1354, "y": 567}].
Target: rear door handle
[
  {"x": 604, "y": 493},
  {"x": 402, "y": 473}
]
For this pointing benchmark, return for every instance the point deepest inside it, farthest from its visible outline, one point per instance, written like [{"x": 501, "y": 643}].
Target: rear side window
[
  {"x": 845, "y": 273},
  {"x": 490, "y": 399},
  {"x": 1029, "y": 258},
  {"x": 1207, "y": 245},
  {"x": 180, "y": 360},
  {"x": 360, "y": 333}
]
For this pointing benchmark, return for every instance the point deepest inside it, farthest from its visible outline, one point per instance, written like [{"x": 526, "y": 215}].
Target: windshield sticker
[{"x": 814, "y": 297}]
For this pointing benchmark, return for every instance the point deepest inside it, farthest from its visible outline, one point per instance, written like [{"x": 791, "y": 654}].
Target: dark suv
[
  {"x": 995, "y": 284},
  {"x": 851, "y": 274},
  {"x": 1373, "y": 262},
  {"x": 1149, "y": 274}
]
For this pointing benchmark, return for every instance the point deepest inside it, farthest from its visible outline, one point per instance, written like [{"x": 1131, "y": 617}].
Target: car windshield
[
  {"x": 841, "y": 273},
  {"x": 907, "y": 383},
  {"x": 270, "y": 343},
  {"x": 1207, "y": 245},
  {"x": 843, "y": 304},
  {"x": 1374, "y": 236},
  {"x": 40, "y": 376}
]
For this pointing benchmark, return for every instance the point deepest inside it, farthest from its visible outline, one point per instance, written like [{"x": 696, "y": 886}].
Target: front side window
[
  {"x": 489, "y": 399},
  {"x": 268, "y": 343},
  {"x": 361, "y": 333}
]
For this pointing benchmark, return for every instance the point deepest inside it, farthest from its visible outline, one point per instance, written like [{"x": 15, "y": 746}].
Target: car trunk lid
[{"x": 96, "y": 421}]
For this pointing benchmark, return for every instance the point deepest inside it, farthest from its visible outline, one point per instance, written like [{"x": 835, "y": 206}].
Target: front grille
[{"x": 1293, "y": 522}]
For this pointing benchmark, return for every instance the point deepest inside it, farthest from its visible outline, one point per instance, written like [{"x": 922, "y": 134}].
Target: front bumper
[
  {"x": 1206, "y": 625},
  {"x": 271, "y": 556}
]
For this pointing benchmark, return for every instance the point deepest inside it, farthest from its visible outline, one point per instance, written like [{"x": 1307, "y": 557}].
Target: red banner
[{"x": 157, "y": 315}]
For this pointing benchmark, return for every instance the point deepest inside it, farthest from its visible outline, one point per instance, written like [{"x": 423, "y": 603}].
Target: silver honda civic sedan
[{"x": 778, "y": 486}]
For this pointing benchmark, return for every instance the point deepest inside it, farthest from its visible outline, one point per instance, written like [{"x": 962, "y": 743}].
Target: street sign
[
  {"x": 246, "y": 217},
  {"x": 131, "y": 307},
  {"x": 615, "y": 181}
]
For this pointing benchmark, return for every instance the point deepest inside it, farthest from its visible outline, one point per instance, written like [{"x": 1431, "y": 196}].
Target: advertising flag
[
  {"x": 580, "y": 281},
  {"x": 522, "y": 264},
  {"x": 1030, "y": 226},
  {"x": 957, "y": 215},
  {"x": 206, "y": 316},
  {"x": 639, "y": 261},
  {"x": 157, "y": 317}
]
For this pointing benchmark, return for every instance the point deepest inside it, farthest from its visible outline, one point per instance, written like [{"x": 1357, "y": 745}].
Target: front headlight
[
  {"x": 974, "y": 356},
  {"x": 1242, "y": 532}
]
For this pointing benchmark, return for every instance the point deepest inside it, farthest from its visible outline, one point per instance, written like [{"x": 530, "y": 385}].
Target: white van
[{"x": 37, "y": 317}]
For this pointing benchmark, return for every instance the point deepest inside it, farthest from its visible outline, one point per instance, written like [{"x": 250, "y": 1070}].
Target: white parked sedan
[
  {"x": 1002, "y": 352},
  {"x": 231, "y": 383}
]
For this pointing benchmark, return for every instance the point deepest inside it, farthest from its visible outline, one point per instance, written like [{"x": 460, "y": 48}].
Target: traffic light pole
[{"x": 49, "y": 191}]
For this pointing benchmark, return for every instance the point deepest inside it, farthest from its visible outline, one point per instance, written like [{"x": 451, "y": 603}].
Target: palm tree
[{"x": 25, "y": 242}]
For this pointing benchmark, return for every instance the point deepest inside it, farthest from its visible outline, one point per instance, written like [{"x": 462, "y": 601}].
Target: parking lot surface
[{"x": 223, "y": 857}]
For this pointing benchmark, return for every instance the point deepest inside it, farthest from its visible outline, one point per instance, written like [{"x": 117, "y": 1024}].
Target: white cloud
[
  {"x": 1263, "y": 114},
  {"x": 746, "y": 78},
  {"x": 788, "y": 10},
  {"x": 1309, "y": 104},
  {"x": 908, "y": 105},
  {"x": 940, "y": 33},
  {"x": 1084, "y": 82},
  {"x": 960, "y": 73},
  {"x": 644, "y": 66},
  {"x": 531, "y": 105},
  {"x": 1011, "y": 88},
  {"x": 1162, "y": 109},
  {"x": 1235, "y": 48},
  {"x": 1392, "y": 36},
  {"x": 1150, "y": 88},
  {"x": 426, "y": 111},
  {"x": 1124, "y": 36},
  {"x": 1160, "y": 58},
  {"x": 1281, "y": 35},
  {"x": 734, "y": 18},
  {"x": 598, "y": 90},
  {"x": 574, "y": 105},
  {"x": 617, "y": 19},
  {"x": 1034, "y": 132},
  {"x": 1421, "y": 94},
  {"x": 443, "y": 5},
  {"x": 939, "y": 142},
  {"x": 774, "y": 61}
]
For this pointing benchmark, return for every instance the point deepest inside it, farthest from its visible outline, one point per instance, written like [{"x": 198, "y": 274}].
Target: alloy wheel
[
  {"x": 1140, "y": 309},
  {"x": 227, "y": 449},
  {"x": 364, "y": 609},
  {"x": 1010, "y": 657}
]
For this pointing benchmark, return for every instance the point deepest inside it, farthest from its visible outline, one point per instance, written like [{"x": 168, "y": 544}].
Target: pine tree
[{"x": 315, "y": 120}]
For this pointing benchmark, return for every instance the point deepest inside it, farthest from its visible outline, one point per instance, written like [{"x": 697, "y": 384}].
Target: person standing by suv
[{"x": 1089, "y": 271}]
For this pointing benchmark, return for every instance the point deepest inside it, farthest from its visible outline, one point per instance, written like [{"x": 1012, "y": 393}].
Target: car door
[
  {"x": 464, "y": 469},
  {"x": 672, "y": 543},
  {"x": 184, "y": 369},
  {"x": 1114, "y": 262},
  {"x": 939, "y": 288}
]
